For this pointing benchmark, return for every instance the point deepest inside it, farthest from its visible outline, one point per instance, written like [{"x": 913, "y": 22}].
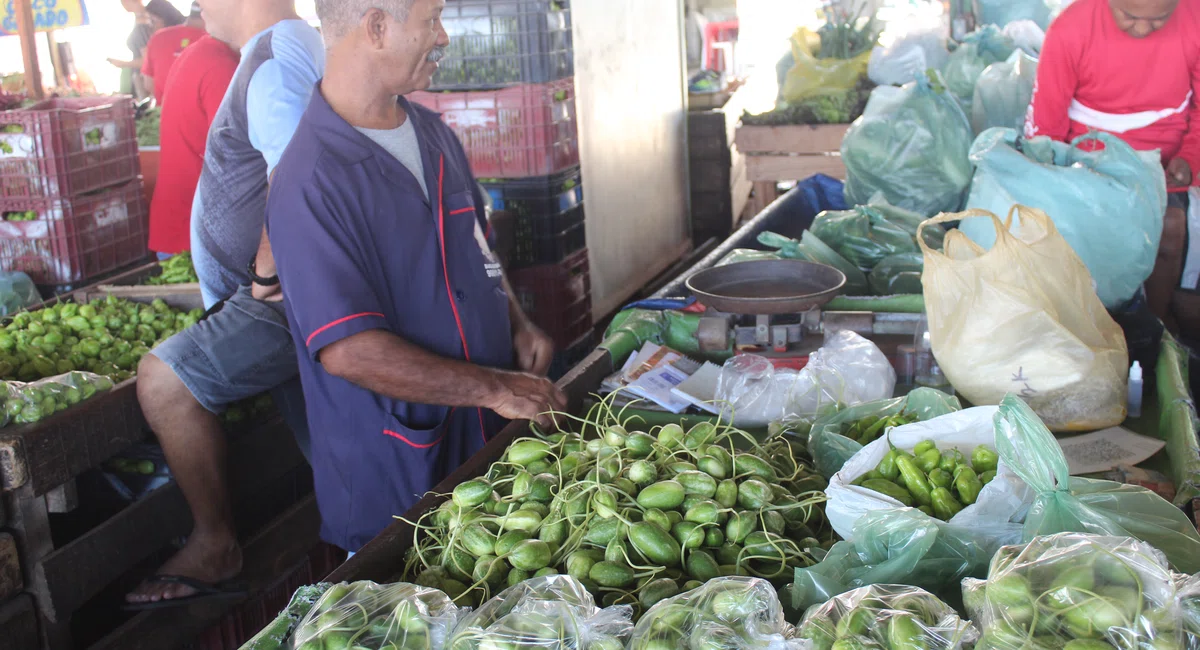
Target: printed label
[
  {"x": 111, "y": 213},
  {"x": 99, "y": 136},
  {"x": 15, "y": 145}
]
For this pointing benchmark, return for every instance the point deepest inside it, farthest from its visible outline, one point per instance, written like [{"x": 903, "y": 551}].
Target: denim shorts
[{"x": 240, "y": 349}]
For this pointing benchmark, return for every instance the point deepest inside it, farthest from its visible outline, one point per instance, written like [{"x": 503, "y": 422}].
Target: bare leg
[
  {"x": 194, "y": 443},
  {"x": 1160, "y": 288}
]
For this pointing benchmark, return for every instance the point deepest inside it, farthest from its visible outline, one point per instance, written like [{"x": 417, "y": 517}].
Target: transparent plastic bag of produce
[
  {"x": 999, "y": 505},
  {"x": 1076, "y": 592},
  {"x": 1027, "y": 36},
  {"x": 978, "y": 50},
  {"x": 908, "y": 57},
  {"x": 739, "y": 255},
  {"x": 1024, "y": 317},
  {"x": 911, "y": 145},
  {"x": 1189, "y": 608},
  {"x": 834, "y": 438},
  {"x": 1065, "y": 503},
  {"x": 862, "y": 235},
  {"x": 38, "y": 400},
  {"x": 733, "y": 613},
  {"x": 1003, "y": 93},
  {"x": 848, "y": 369},
  {"x": 16, "y": 292},
  {"x": 900, "y": 545},
  {"x": 369, "y": 615},
  {"x": 548, "y": 612},
  {"x": 812, "y": 249},
  {"x": 908, "y": 220},
  {"x": 1108, "y": 204},
  {"x": 1002, "y": 12},
  {"x": 897, "y": 274},
  {"x": 811, "y": 77},
  {"x": 886, "y": 616}
]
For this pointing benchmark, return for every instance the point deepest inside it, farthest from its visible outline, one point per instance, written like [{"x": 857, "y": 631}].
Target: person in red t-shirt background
[
  {"x": 164, "y": 49},
  {"x": 1132, "y": 68},
  {"x": 191, "y": 95}
]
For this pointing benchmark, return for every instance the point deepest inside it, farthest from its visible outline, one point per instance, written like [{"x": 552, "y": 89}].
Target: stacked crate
[
  {"x": 71, "y": 202},
  {"x": 506, "y": 87}
]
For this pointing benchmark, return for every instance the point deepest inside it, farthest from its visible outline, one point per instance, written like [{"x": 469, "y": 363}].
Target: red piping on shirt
[
  {"x": 411, "y": 443},
  {"x": 337, "y": 322},
  {"x": 462, "y": 211},
  {"x": 462, "y": 335}
]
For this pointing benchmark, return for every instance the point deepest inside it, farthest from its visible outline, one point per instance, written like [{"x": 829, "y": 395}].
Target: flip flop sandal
[{"x": 205, "y": 592}]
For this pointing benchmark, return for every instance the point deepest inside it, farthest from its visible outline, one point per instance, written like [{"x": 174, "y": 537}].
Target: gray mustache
[{"x": 437, "y": 54}]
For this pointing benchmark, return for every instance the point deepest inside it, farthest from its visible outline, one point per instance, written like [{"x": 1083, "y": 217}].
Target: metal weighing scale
[{"x": 770, "y": 307}]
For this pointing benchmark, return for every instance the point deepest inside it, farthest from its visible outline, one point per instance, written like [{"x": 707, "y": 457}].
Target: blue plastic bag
[
  {"x": 1108, "y": 204},
  {"x": 17, "y": 292},
  {"x": 1003, "y": 12}
]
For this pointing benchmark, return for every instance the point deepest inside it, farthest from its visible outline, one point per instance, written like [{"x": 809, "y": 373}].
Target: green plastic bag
[
  {"x": 1003, "y": 93},
  {"x": 978, "y": 50},
  {"x": 896, "y": 546},
  {"x": 862, "y": 235},
  {"x": 830, "y": 449},
  {"x": 1078, "y": 505},
  {"x": 911, "y": 144},
  {"x": 739, "y": 255},
  {"x": 934, "y": 235},
  {"x": 812, "y": 249},
  {"x": 897, "y": 274}
]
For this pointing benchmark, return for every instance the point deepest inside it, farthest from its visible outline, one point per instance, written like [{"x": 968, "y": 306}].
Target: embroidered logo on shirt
[{"x": 491, "y": 265}]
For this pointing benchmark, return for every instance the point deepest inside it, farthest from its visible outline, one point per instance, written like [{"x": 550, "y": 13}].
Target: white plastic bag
[
  {"x": 847, "y": 370},
  {"x": 16, "y": 292},
  {"x": 1003, "y": 93},
  {"x": 908, "y": 57},
  {"x": 1026, "y": 35},
  {"x": 996, "y": 515}
]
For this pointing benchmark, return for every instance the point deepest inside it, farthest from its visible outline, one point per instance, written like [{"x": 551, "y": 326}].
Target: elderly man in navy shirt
[{"x": 412, "y": 351}]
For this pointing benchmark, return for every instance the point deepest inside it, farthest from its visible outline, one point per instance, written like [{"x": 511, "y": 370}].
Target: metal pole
[{"x": 33, "y": 74}]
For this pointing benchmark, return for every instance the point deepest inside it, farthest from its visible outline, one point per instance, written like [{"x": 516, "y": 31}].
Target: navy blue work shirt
[{"x": 358, "y": 247}]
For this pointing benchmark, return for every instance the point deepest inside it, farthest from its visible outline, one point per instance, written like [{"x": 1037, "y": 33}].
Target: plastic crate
[
  {"x": 570, "y": 356},
  {"x": 558, "y": 297},
  {"x": 516, "y": 132},
  {"x": 67, "y": 147},
  {"x": 547, "y": 216},
  {"x": 496, "y": 43},
  {"x": 75, "y": 239}
]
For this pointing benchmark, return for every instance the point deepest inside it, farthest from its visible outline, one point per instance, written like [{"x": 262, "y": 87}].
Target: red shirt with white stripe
[{"x": 1093, "y": 76}]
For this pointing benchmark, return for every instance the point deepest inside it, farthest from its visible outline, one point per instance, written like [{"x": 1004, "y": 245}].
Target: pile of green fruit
[
  {"x": 106, "y": 337},
  {"x": 939, "y": 484},
  {"x": 885, "y": 617},
  {"x": 29, "y": 403},
  {"x": 368, "y": 615},
  {"x": 635, "y": 517},
  {"x": 868, "y": 429},
  {"x": 547, "y": 612},
  {"x": 1076, "y": 591},
  {"x": 27, "y": 215},
  {"x": 176, "y": 269},
  {"x": 731, "y": 612},
  {"x": 148, "y": 128}
]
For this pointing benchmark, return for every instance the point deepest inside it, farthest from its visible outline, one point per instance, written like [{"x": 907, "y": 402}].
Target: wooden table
[{"x": 776, "y": 154}]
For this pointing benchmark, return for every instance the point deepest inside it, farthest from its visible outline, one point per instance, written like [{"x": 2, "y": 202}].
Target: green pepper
[
  {"x": 888, "y": 488},
  {"x": 924, "y": 446},
  {"x": 944, "y": 504},
  {"x": 939, "y": 477},
  {"x": 928, "y": 461},
  {"x": 951, "y": 459},
  {"x": 984, "y": 459},
  {"x": 871, "y": 433},
  {"x": 987, "y": 476},
  {"x": 887, "y": 467},
  {"x": 904, "y": 633},
  {"x": 926, "y": 509},
  {"x": 913, "y": 479},
  {"x": 872, "y": 474},
  {"x": 967, "y": 484}
]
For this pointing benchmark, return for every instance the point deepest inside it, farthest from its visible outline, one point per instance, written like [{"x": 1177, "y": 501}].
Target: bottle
[{"x": 1135, "y": 390}]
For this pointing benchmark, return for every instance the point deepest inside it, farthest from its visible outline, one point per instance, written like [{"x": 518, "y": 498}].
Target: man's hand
[
  {"x": 535, "y": 350},
  {"x": 523, "y": 396},
  {"x": 264, "y": 267},
  {"x": 1179, "y": 173},
  {"x": 266, "y": 294}
]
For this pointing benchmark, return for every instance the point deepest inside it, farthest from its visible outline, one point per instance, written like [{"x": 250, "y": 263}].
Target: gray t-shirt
[{"x": 401, "y": 142}]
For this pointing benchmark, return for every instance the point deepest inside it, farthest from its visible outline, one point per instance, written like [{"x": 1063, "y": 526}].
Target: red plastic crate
[
  {"x": 558, "y": 297},
  {"x": 67, "y": 147},
  {"x": 74, "y": 239},
  {"x": 526, "y": 130}
]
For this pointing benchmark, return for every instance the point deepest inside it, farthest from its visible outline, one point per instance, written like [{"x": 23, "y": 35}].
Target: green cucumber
[
  {"x": 753, "y": 494},
  {"x": 701, "y": 566},
  {"x": 655, "y": 543},
  {"x": 471, "y": 494},
  {"x": 664, "y": 495},
  {"x": 531, "y": 555},
  {"x": 697, "y": 482},
  {"x": 611, "y": 574}
]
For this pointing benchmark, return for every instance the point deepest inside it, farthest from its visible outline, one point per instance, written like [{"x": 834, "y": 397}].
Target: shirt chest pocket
[{"x": 468, "y": 243}]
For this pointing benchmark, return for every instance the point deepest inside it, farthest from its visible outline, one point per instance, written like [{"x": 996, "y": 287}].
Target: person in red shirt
[
  {"x": 164, "y": 49},
  {"x": 1131, "y": 68},
  {"x": 193, "y": 93}
]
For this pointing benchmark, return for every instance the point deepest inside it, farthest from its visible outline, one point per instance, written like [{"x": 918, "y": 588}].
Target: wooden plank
[
  {"x": 18, "y": 624},
  {"x": 613, "y": 301},
  {"x": 793, "y": 168},
  {"x": 181, "y": 296},
  {"x": 11, "y": 581},
  {"x": 25, "y": 28},
  {"x": 31, "y": 527},
  {"x": 81, "y": 569},
  {"x": 278, "y": 547},
  {"x": 797, "y": 138}
]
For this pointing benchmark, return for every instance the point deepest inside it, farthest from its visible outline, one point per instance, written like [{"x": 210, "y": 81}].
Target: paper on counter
[
  {"x": 701, "y": 388},
  {"x": 1105, "y": 450}
]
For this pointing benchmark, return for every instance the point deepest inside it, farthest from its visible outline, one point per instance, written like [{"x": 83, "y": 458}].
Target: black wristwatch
[{"x": 262, "y": 282}]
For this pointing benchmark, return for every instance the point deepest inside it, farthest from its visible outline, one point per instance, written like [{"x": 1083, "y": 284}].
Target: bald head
[
  {"x": 1141, "y": 18},
  {"x": 339, "y": 17}
]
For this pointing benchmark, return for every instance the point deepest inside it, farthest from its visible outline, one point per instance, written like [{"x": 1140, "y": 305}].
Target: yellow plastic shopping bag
[
  {"x": 812, "y": 77},
  {"x": 1024, "y": 318}
]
